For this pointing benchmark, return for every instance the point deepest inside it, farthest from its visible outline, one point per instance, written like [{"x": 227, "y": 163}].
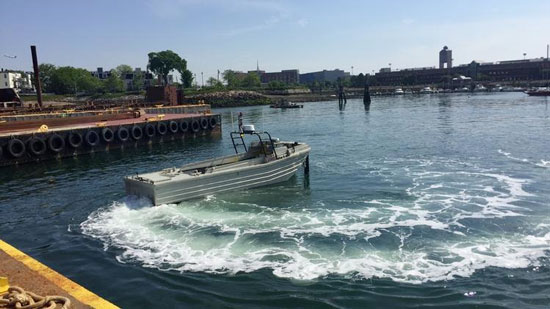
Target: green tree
[
  {"x": 186, "y": 78},
  {"x": 164, "y": 62},
  {"x": 251, "y": 80},
  {"x": 212, "y": 82},
  {"x": 231, "y": 79},
  {"x": 67, "y": 80},
  {"x": 46, "y": 72},
  {"x": 343, "y": 81},
  {"x": 137, "y": 81},
  {"x": 358, "y": 81},
  {"x": 113, "y": 83},
  {"x": 276, "y": 85},
  {"x": 124, "y": 69}
]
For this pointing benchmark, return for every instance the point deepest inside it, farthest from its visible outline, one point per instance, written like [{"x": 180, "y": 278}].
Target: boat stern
[{"x": 141, "y": 187}]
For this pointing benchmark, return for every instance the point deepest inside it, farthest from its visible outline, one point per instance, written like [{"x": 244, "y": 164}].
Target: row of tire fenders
[{"x": 37, "y": 145}]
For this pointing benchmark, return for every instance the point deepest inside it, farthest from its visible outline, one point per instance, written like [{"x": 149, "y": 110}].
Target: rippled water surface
[{"x": 424, "y": 200}]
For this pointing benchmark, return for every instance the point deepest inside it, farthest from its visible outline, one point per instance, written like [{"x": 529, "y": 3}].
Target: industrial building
[
  {"x": 323, "y": 76},
  {"x": 285, "y": 76},
  {"x": 501, "y": 71}
]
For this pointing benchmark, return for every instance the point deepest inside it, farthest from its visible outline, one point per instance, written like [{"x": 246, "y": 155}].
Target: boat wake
[
  {"x": 541, "y": 163},
  {"x": 446, "y": 224}
]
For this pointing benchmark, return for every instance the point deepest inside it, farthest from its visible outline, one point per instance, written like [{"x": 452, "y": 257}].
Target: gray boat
[{"x": 266, "y": 161}]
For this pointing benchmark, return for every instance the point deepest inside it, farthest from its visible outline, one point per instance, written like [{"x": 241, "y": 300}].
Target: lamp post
[
  {"x": 202, "y": 79},
  {"x": 352, "y": 70}
]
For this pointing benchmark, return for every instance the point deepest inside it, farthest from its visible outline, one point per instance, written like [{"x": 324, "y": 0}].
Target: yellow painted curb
[
  {"x": 81, "y": 294},
  {"x": 4, "y": 285}
]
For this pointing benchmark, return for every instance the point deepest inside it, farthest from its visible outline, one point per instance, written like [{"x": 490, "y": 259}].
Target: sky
[{"x": 307, "y": 35}]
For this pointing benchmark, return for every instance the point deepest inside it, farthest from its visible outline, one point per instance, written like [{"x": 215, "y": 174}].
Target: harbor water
[{"x": 425, "y": 200}]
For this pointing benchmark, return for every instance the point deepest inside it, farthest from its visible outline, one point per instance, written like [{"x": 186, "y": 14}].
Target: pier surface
[{"x": 31, "y": 275}]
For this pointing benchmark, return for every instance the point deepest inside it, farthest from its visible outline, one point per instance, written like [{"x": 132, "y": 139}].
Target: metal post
[
  {"x": 366, "y": 92},
  {"x": 36, "y": 76}
]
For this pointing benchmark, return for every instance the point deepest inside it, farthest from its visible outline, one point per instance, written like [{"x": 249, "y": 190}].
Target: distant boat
[
  {"x": 398, "y": 91},
  {"x": 286, "y": 104},
  {"x": 480, "y": 88},
  {"x": 539, "y": 92},
  {"x": 426, "y": 90}
]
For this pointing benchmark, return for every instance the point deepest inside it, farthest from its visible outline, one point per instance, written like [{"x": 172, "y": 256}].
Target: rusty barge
[{"x": 27, "y": 138}]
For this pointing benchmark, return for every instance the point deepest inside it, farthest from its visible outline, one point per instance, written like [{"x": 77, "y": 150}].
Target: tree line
[{"x": 71, "y": 80}]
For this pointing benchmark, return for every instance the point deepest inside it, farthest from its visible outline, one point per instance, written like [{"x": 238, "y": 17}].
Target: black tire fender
[
  {"x": 108, "y": 135},
  {"x": 212, "y": 122},
  {"x": 195, "y": 126},
  {"x": 56, "y": 143},
  {"x": 149, "y": 130},
  {"x": 122, "y": 134},
  {"x": 16, "y": 148},
  {"x": 36, "y": 146},
  {"x": 162, "y": 128},
  {"x": 184, "y": 126},
  {"x": 92, "y": 138},
  {"x": 137, "y": 133},
  {"x": 173, "y": 127},
  {"x": 74, "y": 139},
  {"x": 204, "y": 123}
]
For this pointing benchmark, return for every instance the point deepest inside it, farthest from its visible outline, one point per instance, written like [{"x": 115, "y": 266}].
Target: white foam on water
[
  {"x": 180, "y": 238},
  {"x": 541, "y": 163},
  {"x": 509, "y": 156},
  {"x": 359, "y": 238}
]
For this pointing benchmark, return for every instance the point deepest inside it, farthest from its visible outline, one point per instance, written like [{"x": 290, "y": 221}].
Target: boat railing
[{"x": 239, "y": 136}]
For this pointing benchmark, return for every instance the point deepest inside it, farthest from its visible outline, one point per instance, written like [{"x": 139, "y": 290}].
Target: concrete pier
[{"x": 31, "y": 275}]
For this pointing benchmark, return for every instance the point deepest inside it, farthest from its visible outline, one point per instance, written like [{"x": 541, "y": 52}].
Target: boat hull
[
  {"x": 257, "y": 175},
  {"x": 538, "y": 93}
]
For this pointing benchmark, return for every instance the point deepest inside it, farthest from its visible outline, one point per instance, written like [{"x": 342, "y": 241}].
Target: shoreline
[{"x": 218, "y": 99}]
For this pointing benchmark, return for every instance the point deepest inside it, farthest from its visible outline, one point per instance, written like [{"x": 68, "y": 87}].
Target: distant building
[
  {"x": 286, "y": 76},
  {"x": 323, "y": 76},
  {"x": 21, "y": 81},
  {"x": 99, "y": 73},
  {"x": 129, "y": 78},
  {"x": 513, "y": 70},
  {"x": 445, "y": 58}
]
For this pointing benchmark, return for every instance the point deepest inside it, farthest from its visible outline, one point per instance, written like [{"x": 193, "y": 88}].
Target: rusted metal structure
[
  {"x": 163, "y": 95},
  {"x": 38, "y": 137}
]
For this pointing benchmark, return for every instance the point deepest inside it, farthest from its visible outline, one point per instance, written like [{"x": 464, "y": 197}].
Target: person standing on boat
[{"x": 240, "y": 119}]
